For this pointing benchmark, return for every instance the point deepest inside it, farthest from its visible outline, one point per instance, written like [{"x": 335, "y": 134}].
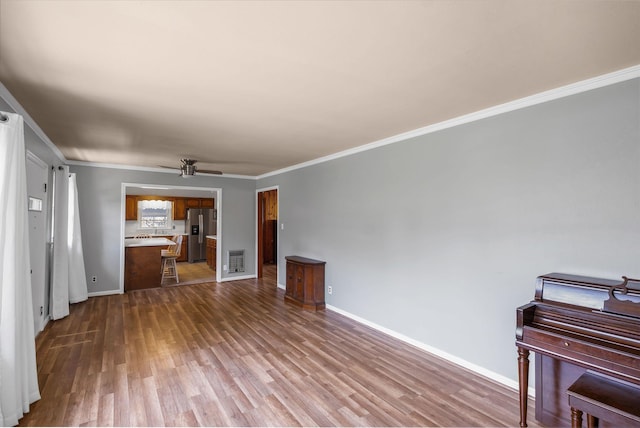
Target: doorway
[
  {"x": 37, "y": 179},
  {"x": 267, "y": 230},
  {"x": 183, "y": 198}
]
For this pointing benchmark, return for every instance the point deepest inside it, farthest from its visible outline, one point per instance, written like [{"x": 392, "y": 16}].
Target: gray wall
[
  {"x": 99, "y": 198},
  {"x": 440, "y": 238}
]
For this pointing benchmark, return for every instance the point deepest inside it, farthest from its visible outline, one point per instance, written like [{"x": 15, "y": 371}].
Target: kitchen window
[{"x": 155, "y": 214}]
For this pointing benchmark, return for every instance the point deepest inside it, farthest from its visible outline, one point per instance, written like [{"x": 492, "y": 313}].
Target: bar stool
[{"x": 169, "y": 257}]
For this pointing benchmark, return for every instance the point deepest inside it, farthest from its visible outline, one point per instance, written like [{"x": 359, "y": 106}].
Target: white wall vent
[{"x": 236, "y": 260}]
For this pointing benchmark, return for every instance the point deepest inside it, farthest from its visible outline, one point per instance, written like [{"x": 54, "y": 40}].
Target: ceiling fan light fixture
[{"x": 187, "y": 170}]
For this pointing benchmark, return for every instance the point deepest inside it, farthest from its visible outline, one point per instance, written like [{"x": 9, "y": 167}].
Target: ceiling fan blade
[{"x": 206, "y": 171}]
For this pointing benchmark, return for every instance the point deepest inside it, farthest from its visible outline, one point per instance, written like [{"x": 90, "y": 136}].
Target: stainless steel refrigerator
[{"x": 200, "y": 223}]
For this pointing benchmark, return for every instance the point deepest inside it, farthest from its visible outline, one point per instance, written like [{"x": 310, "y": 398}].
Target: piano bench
[{"x": 603, "y": 398}]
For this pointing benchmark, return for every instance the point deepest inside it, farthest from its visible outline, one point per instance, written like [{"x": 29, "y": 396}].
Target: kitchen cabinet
[
  {"x": 192, "y": 202},
  {"x": 207, "y": 203},
  {"x": 131, "y": 207},
  {"x": 305, "y": 282},
  {"x": 142, "y": 267},
  {"x": 199, "y": 202},
  {"x": 180, "y": 205},
  {"x": 212, "y": 245},
  {"x": 179, "y": 209}
]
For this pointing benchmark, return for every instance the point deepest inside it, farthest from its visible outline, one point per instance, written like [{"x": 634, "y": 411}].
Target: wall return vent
[{"x": 236, "y": 260}]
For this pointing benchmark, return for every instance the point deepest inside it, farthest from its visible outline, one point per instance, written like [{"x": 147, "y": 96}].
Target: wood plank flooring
[
  {"x": 191, "y": 273},
  {"x": 234, "y": 354}
]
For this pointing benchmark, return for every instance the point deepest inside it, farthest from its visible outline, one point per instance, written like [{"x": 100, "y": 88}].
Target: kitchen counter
[
  {"x": 163, "y": 235},
  {"x": 143, "y": 261},
  {"x": 147, "y": 242}
]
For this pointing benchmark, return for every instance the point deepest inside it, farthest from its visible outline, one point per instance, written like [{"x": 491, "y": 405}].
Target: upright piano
[{"x": 574, "y": 324}]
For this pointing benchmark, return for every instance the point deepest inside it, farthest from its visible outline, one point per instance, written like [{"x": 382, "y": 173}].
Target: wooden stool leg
[
  {"x": 164, "y": 269},
  {"x": 576, "y": 418},
  {"x": 592, "y": 421},
  {"x": 175, "y": 269}
]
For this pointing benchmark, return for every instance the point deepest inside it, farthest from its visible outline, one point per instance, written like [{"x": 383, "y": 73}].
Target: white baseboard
[
  {"x": 510, "y": 383},
  {"x": 104, "y": 293},
  {"x": 238, "y": 278}
]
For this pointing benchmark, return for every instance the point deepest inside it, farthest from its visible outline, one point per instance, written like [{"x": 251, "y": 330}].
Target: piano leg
[
  {"x": 523, "y": 378},
  {"x": 576, "y": 418}
]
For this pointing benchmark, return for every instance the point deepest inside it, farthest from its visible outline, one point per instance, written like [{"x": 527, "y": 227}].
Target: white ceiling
[{"x": 250, "y": 87}]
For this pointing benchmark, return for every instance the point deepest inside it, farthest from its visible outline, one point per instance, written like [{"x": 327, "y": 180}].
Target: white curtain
[
  {"x": 77, "y": 275},
  {"x": 69, "y": 283},
  {"x": 18, "y": 370}
]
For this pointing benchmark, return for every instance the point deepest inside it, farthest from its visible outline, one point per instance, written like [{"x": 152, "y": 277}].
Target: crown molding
[
  {"x": 152, "y": 169},
  {"x": 17, "y": 108},
  {"x": 542, "y": 97}
]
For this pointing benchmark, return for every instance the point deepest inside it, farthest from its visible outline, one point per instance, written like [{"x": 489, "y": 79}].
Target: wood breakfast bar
[{"x": 143, "y": 262}]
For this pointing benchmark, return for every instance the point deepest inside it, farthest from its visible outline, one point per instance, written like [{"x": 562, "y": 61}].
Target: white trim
[
  {"x": 283, "y": 287},
  {"x": 152, "y": 169},
  {"x": 542, "y": 97},
  {"x": 510, "y": 383},
  {"x": 35, "y": 159},
  {"x": 104, "y": 293},
  {"x": 17, "y": 107},
  {"x": 238, "y": 278}
]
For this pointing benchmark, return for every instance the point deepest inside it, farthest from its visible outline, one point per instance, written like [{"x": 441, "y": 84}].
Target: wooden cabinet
[
  {"x": 305, "y": 282},
  {"x": 180, "y": 205},
  {"x": 199, "y": 202},
  {"x": 131, "y": 207},
  {"x": 212, "y": 245},
  {"x": 207, "y": 203},
  {"x": 192, "y": 202},
  {"x": 142, "y": 267},
  {"x": 179, "y": 209}
]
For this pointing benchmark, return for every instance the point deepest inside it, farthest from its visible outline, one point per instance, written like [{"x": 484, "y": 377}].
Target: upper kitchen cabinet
[
  {"x": 131, "y": 207},
  {"x": 180, "y": 205},
  {"x": 179, "y": 209},
  {"x": 200, "y": 202}
]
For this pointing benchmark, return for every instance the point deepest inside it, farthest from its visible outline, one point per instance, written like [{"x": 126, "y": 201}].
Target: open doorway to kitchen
[
  {"x": 191, "y": 227},
  {"x": 267, "y": 232}
]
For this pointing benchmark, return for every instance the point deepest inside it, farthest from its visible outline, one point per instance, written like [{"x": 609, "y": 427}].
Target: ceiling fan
[{"x": 188, "y": 168}]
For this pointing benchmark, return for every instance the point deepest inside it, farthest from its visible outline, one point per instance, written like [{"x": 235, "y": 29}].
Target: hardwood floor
[
  {"x": 192, "y": 273},
  {"x": 234, "y": 353}
]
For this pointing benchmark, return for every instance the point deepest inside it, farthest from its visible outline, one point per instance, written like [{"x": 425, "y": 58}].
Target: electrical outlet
[
  {"x": 41, "y": 310},
  {"x": 94, "y": 279},
  {"x": 224, "y": 267},
  {"x": 330, "y": 290}
]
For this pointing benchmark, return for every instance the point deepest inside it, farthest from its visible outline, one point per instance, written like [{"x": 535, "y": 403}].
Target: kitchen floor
[
  {"x": 192, "y": 273},
  {"x": 195, "y": 273}
]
